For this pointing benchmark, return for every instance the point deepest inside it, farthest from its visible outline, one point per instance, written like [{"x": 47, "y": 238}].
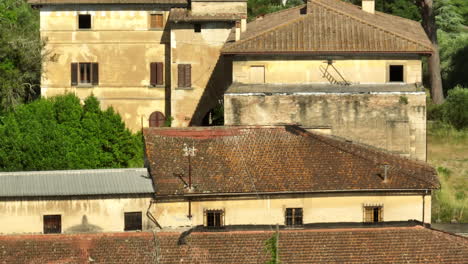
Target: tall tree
[{"x": 428, "y": 21}]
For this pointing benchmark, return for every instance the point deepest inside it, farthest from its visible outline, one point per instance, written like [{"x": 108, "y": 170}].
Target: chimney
[
  {"x": 238, "y": 30},
  {"x": 243, "y": 24},
  {"x": 368, "y": 6}
]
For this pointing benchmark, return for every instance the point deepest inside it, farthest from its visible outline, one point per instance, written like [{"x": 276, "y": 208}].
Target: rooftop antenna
[{"x": 189, "y": 152}]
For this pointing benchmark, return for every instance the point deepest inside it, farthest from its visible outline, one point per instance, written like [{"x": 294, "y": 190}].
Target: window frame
[
  {"x": 373, "y": 208},
  {"x": 389, "y": 72},
  {"x": 155, "y": 118},
  {"x": 93, "y": 74},
  {"x": 150, "y": 26},
  {"x": 296, "y": 212},
  {"x": 91, "y": 22},
  {"x": 48, "y": 218},
  {"x": 128, "y": 224},
  {"x": 155, "y": 68},
  {"x": 221, "y": 220}
]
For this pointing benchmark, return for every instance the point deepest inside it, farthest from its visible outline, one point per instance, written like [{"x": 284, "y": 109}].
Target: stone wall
[{"x": 395, "y": 121}]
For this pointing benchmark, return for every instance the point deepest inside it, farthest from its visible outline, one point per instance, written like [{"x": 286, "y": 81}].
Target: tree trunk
[{"x": 428, "y": 17}]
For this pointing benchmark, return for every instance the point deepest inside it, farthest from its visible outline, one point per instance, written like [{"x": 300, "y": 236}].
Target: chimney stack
[
  {"x": 368, "y": 6},
  {"x": 238, "y": 30}
]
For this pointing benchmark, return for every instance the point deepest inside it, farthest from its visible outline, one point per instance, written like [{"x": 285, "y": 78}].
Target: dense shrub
[
  {"x": 455, "y": 108},
  {"x": 60, "y": 133}
]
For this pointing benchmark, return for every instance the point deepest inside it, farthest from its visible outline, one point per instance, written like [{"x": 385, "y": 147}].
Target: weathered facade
[
  {"x": 255, "y": 175},
  {"x": 129, "y": 55},
  {"x": 331, "y": 67},
  {"x": 77, "y": 201}
]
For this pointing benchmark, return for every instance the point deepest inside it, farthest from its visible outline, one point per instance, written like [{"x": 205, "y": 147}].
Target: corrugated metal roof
[{"x": 75, "y": 182}]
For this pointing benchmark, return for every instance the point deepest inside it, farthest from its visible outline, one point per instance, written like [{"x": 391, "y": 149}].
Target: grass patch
[{"x": 448, "y": 152}]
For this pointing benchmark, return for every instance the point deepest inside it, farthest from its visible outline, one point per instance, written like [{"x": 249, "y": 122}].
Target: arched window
[{"x": 157, "y": 119}]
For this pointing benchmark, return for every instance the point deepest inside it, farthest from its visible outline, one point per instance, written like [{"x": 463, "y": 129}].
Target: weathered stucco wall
[
  {"x": 98, "y": 214},
  {"x": 316, "y": 209},
  {"x": 393, "y": 121},
  {"x": 210, "y": 72},
  {"x": 307, "y": 70},
  {"x": 121, "y": 42}
]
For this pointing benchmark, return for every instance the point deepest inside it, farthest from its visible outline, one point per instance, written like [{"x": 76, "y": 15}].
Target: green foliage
[
  {"x": 20, "y": 53},
  {"x": 403, "y": 100},
  {"x": 447, "y": 18},
  {"x": 261, "y": 7},
  {"x": 456, "y": 108},
  {"x": 60, "y": 133},
  {"x": 461, "y": 7},
  {"x": 270, "y": 247},
  {"x": 453, "y": 112}
]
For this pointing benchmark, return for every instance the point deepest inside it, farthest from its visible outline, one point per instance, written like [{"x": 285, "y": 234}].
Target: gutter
[
  {"x": 333, "y": 53},
  {"x": 307, "y": 192}
]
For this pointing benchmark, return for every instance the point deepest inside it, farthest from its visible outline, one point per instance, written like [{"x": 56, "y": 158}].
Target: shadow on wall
[
  {"x": 218, "y": 83},
  {"x": 84, "y": 227}
]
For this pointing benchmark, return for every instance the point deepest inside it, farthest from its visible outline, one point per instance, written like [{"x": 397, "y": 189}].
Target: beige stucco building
[
  {"x": 334, "y": 68},
  {"x": 141, "y": 57},
  {"x": 75, "y": 201}
]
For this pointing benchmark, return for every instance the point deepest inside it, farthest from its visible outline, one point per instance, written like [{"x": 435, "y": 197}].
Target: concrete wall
[
  {"x": 316, "y": 209},
  {"x": 210, "y": 72},
  {"x": 99, "y": 214},
  {"x": 307, "y": 70},
  {"x": 392, "y": 121},
  {"x": 121, "y": 42}
]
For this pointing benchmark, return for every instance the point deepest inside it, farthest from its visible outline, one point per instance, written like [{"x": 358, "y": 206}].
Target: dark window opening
[
  {"x": 85, "y": 73},
  {"x": 157, "y": 119},
  {"x": 132, "y": 221},
  {"x": 197, "y": 28},
  {"x": 52, "y": 224},
  {"x": 396, "y": 73},
  {"x": 84, "y": 21},
  {"x": 293, "y": 216},
  {"x": 373, "y": 214},
  {"x": 214, "y": 218}
]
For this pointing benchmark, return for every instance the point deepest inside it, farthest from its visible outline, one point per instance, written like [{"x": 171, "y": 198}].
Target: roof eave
[{"x": 424, "y": 53}]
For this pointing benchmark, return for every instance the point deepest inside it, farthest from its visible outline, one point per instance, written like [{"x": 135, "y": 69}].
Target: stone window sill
[
  {"x": 157, "y": 86},
  {"x": 83, "y": 85},
  {"x": 184, "y": 88}
]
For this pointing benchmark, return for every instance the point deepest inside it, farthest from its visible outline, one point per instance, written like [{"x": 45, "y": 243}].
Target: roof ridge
[
  {"x": 272, "y": 28},
  {"x": 365, "y": 22}
]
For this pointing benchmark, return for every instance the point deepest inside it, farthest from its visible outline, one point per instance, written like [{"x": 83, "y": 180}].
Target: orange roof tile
[{"x": 330, "y": 26}]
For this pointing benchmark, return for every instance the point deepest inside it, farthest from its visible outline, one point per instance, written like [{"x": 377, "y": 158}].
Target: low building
[
  {"x": 405, "y": 244},
  {"x": 240, "y": 176},
  {"x": 336, "y": 68},
  {"x": 75, "y": 201}
]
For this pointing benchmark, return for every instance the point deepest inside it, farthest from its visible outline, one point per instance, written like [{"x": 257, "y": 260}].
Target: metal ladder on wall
[{"x": 327, "y": 75}]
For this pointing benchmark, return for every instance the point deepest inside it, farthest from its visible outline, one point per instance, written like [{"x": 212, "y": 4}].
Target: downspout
[
  {"x": 424, "y": 207},
  {"x": 150, "y": 216}
]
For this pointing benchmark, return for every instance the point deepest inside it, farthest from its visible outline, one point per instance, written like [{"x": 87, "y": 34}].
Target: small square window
[
  {"x": 294, "y": 216},
  {"x": 132, "y": 221},
  {"x": 214, "y": 218},
  {"x": 84, "y": 21},
  {"x": 52, "y": 224},
  {"x": 396, "y": 73},
  {"x": 156, "y": 21},
  {"x": 373, "y": 214},
  {"x": 197, "y": 28}
]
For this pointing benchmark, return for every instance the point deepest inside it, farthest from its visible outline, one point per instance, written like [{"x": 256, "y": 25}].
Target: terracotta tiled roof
[
  {"x": 184, "y": 15},
  {"x": 114, "y": 248},
  {"x": 274, "y": 159},
  {"x": 62, "y": 2},
  {"x": 330, "y": 26},
  {"x": 353, "y": 245}
]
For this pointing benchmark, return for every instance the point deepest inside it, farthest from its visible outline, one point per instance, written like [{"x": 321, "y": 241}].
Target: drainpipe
[
  {"x": 150, "y": 216},
  {"x": 424, "y": 207}
]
